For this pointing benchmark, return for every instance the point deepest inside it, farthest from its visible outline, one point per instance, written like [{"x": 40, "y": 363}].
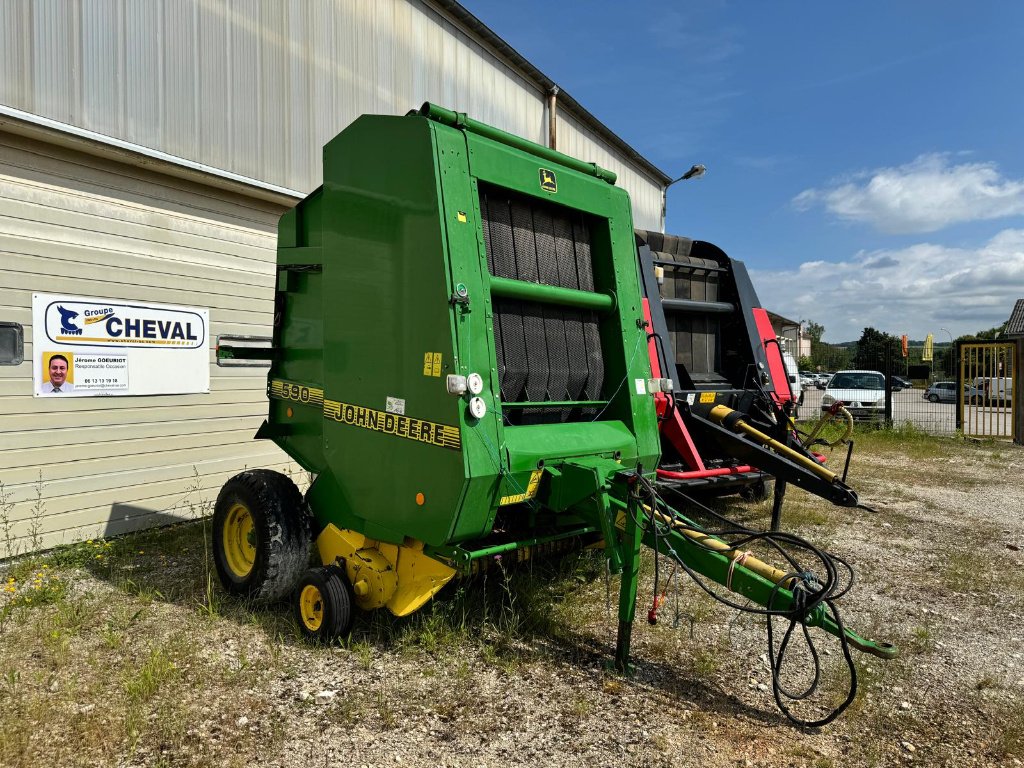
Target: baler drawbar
[{"x": 460, "y": 361}]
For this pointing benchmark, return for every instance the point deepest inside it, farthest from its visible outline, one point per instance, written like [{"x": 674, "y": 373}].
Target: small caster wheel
[{"x": 323, "y": 604}]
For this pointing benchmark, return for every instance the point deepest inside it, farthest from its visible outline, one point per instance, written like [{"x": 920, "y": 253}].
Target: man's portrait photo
[{"x": 58, "y": 373}]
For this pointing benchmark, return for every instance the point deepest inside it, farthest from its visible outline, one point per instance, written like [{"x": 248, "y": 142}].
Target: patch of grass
[
  {"x": 500, "y": 611},
  {"x": 30, "y": 586},
  {"x": 7, "y": 523},
  {"x": 967, "y": 571},
  {"x": 905, "y": 440},
  {"x": 706, "y": 661},
  {"x": 581, "y": 707},
  {"x": 986, "y": 681},
  {"x": 922, "y": 639},
  {"x": 141, "y": 684},
  {"x": 803, "y": 511},
  {"x": 1008, "y": 738}
]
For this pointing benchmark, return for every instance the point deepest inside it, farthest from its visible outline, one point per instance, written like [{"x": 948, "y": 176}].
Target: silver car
[{"x": 945, "y": 392}]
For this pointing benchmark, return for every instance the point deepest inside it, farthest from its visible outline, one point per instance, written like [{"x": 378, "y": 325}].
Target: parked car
[
  {"x": 862, "y": 392},
  {"x": 792, "y": 373},
  {"x": 994, "y": 389},
  {"x": 900, "y": 383},
  {"x": 823, "y": 379},
  {"x": 945, "y": 392}
]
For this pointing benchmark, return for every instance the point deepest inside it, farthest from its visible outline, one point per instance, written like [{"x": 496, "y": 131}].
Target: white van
[
  {"x": 994, "y": 388},
  {"x": 793, "y": 374}
]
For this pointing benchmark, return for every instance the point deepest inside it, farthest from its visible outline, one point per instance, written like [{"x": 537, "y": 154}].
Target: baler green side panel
[
  {"x": 386, "y": 290},
  {"x": 298, "y": 331}
]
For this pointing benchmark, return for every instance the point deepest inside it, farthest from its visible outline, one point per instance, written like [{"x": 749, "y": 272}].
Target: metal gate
[{"x": 987, "y": 403}]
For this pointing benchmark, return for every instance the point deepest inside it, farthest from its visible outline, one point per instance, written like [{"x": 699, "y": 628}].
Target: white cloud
[
  {"x": 922, "y": 196},
  {"x": 915, "y": 290}
]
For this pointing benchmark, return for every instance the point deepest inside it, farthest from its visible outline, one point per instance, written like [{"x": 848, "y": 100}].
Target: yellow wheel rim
[
  {"x": 311, "y": 607},
  {"x": 239, "y": 538}
]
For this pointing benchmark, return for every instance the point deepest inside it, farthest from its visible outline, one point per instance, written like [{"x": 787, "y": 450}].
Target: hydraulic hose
[
  {"x": 733, "y": 420},
  {"x": 837, "y": 413}
]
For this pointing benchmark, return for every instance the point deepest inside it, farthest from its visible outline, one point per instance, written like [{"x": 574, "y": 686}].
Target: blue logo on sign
[{"x": 67, "y": 321}]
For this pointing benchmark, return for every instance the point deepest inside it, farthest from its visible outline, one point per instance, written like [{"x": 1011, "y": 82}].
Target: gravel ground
[{"x": 195, "y": 680}]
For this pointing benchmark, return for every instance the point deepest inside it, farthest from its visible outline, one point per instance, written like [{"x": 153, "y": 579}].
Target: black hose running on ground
[{"x": 808, "y": 591}]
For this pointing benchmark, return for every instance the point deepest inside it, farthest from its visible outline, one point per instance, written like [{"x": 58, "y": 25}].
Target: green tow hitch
[{"x": 724, "y": 564}]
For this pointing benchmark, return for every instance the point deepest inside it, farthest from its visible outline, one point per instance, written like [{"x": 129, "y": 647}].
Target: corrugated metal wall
[
  {"x": 577, "y": 140},
  {"x": 74, "y": 224},
  {"x": 257, "y": 87}
]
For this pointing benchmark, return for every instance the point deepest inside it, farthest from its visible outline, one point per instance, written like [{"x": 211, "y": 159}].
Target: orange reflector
[
  {"x": 419, "y": 499},
  {"x": 289, "y": 413}
]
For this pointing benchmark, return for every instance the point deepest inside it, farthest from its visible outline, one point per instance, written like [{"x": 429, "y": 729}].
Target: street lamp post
[{"x": 695, "y": 172}]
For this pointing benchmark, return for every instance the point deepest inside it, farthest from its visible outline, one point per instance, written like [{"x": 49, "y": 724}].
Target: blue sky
[{"x": 864, "y": 159}]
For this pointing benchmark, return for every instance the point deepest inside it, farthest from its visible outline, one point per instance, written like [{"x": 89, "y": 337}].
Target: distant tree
[
  {"x": 872, "y": 348},
  {"x": 805, "y": 363},
  {"x": 829, "y": 357},
  {"x": 991, "y": 333},
  {"x": 814, "y": 330}
]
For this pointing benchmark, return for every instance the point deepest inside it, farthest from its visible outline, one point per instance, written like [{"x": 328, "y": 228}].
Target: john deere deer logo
[{"x": 548, "y": 182}]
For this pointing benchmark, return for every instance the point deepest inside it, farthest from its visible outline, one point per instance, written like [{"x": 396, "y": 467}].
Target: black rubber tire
[
  {"x": 335, "y": 601},
  {"x": 282, "y": 530},
  {"x": 933, "y": 398},
  {"x": 758, "y": 490}
]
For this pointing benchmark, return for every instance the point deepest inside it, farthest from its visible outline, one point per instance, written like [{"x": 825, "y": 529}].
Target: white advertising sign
[{"x": 84, "y": 347}]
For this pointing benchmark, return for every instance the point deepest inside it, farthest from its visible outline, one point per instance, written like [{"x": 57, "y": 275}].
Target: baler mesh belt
[
  {"x": 544, "y": 353},
  {"x": 695, "y": 338}
]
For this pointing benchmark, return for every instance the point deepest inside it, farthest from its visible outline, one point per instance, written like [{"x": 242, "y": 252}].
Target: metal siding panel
[
  {"x": 178, "y": 500},
  {"x": 405, "y": 55},
  {"x": 384, "y": 42},
  {"x": 245, "y": 108},
  {"x": 181, "y": 70},
  {"x": 16, "y": 56},
  {"x": 272, "y": 162},
  {"x": 644, "y": 193},
  {"x": 256, "y": 87},
  {"x": 103, "y": 67},
  {"x": 94, "y": 231},
  {"x": 299, "y": 105},
  {"x": 320, "y": 60},
  {"x": 56, "y": 54},
  {"x": 144, "y": 77},
  {"x": 215, "y": 136}
]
